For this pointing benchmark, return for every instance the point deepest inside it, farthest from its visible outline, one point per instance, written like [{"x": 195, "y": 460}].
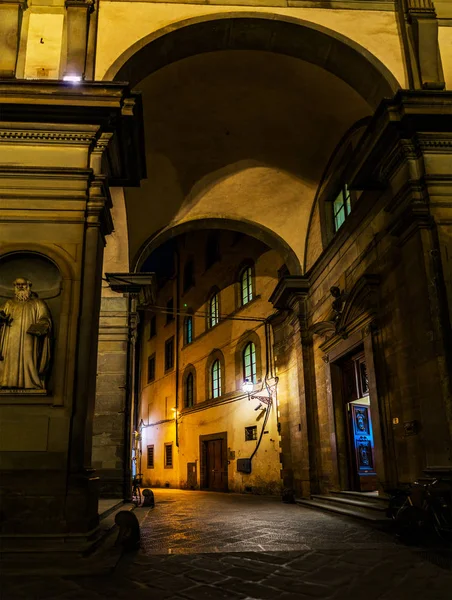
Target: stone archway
[
  {"x": 247, "y": 227},
  {"x": 251, "y": 31}
]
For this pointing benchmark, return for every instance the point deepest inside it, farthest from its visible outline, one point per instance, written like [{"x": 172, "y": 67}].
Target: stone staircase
[{"x": 352, "y": 504}]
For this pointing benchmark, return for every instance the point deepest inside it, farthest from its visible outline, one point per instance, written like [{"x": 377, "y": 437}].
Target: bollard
[
  {"x": 129, "y": 531},
  {"x": 148, "y": 498}
]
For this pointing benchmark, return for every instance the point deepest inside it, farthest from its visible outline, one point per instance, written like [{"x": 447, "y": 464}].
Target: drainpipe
[{"x": 176, "y": 364}]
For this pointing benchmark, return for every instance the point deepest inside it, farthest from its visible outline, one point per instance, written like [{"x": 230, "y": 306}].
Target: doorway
[
  {"x": 358, "y": 447},
  {"x": 214, "y": 465}
]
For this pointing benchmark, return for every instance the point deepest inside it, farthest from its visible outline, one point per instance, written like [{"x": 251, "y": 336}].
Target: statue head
[
  {"x": 22, "y": 289},
  {"x": 335, "y": 291}
]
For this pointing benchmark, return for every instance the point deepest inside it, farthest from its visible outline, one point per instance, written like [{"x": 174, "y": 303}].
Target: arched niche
[{"x": 46, "y": 280}]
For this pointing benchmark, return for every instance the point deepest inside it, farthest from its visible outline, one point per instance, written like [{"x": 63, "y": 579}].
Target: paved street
[{"x": 208, "y": 546}]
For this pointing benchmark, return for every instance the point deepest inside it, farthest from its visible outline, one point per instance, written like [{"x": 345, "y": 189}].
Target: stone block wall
[{"x": 110, "y": 423}]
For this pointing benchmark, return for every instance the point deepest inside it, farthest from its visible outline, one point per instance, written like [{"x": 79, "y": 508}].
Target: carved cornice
[
  {"x": 421, "y": 8},
  {"x": 288, "y": 290},
  {"x": 47, "y": 137},
  {"x": 61, "y": 113},
  {"x": 400, "y": 130},
  {"x": 22, "y": 3}
]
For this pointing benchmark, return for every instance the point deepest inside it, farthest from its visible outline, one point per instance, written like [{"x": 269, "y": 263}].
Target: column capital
[{"x": 288, "y": 291}]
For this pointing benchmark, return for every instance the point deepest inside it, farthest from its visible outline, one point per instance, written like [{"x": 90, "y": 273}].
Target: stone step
[
  {"x": 378, "y": 500},
  {"x": 106, "y": 507},
  {"x": 351, "y": 508}
]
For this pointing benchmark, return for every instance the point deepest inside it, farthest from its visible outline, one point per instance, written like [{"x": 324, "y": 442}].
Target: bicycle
[
  {"x": 420, "y": 508},
  {"x": 137, "y": 483}
]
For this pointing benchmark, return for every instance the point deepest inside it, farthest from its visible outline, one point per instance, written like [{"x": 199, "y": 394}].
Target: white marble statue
[{"x": 25, "y": 327}]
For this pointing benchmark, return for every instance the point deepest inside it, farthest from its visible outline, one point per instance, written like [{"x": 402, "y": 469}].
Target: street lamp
[
  {"x": 247, "y": 386},
  {"x": 270, "y": 385}
]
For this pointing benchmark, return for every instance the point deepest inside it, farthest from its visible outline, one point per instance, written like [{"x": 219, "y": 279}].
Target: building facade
[
  {"x": 311, "y": 143},
  {"x": 209, "y": 335}
]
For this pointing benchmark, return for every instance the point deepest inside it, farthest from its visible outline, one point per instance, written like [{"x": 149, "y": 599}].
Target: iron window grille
[
  {"x": 150, "y": 457},
  {"x": 250, "y": 433},
  {"x": 169, "y": 456}
]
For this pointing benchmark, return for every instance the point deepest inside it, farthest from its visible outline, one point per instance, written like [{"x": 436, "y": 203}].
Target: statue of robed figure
[{"x": 25, "y": 349}]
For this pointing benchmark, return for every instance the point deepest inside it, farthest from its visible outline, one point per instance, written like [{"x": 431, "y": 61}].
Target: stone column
[
  {"x": 56, "y": 212},
  {"x": 10, "y": 25}
]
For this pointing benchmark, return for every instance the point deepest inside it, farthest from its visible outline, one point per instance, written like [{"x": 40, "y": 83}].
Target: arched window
[
  {"x": 249, "y": 362},
  {"x": 246, "y": 286},
  {"x": 189, "y": 391},
  {"x": 188, "y": 330},
  {"x": 215, "y": 377},
  {"x": 214, "y": 311}
]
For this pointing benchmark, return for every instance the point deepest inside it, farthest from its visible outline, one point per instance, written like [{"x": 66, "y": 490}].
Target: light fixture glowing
[
  {"x": 72, "y": 78},
  {"x": 247, "y": 386}
]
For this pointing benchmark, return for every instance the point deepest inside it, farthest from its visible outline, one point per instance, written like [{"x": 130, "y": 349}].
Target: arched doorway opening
[{"x": 241, "y": 116}]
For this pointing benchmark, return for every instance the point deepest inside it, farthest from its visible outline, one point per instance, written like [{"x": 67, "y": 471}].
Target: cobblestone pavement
[{"x": 207, "y": 546}]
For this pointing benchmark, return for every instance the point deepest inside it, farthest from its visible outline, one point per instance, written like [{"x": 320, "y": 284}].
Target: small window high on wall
[
  {"x": 189, "y": 391},
  {"x": 341, "y": 207},
  {"x": 214, "y": 311},
  {"x": 246, "y": 285},
  {"x": 249, "y": 363},
  {"x": 188, "y": 330},
  {"x": 215, "y": 375}
]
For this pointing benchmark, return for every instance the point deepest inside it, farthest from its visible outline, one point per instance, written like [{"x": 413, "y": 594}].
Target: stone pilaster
[
  {"x": 56, "y": 209},
  {"x": 294, "y": 351},
  {"x": 77, "y": 24},
  {"x": 112, "y": 397},
  {"x": 10, "y": 26},
  {"x": 422, "y": 30}
]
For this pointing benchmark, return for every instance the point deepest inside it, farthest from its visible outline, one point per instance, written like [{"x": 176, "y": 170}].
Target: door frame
[
  {"x": 203, "y": 439},
  {"x": 337, "y": 409}
]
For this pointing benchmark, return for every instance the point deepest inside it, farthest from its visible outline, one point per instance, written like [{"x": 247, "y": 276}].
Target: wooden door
[
  {"x": 363, "y": 447},
  {"x": 215, "y": 466}
]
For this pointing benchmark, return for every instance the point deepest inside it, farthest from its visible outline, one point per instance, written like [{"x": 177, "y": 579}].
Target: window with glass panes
[
  {"x": 341, "y": 207},
  {"x": 246, "y": 285},
  {"x": 189, "y": 390},
  {"x": 214, "y": 315},
  {"x": 169, "y": 456},
  {"x": 188, "y": 330},
  {"x": 216, "y": 379},
  {"x": 249, "y": 362}
]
